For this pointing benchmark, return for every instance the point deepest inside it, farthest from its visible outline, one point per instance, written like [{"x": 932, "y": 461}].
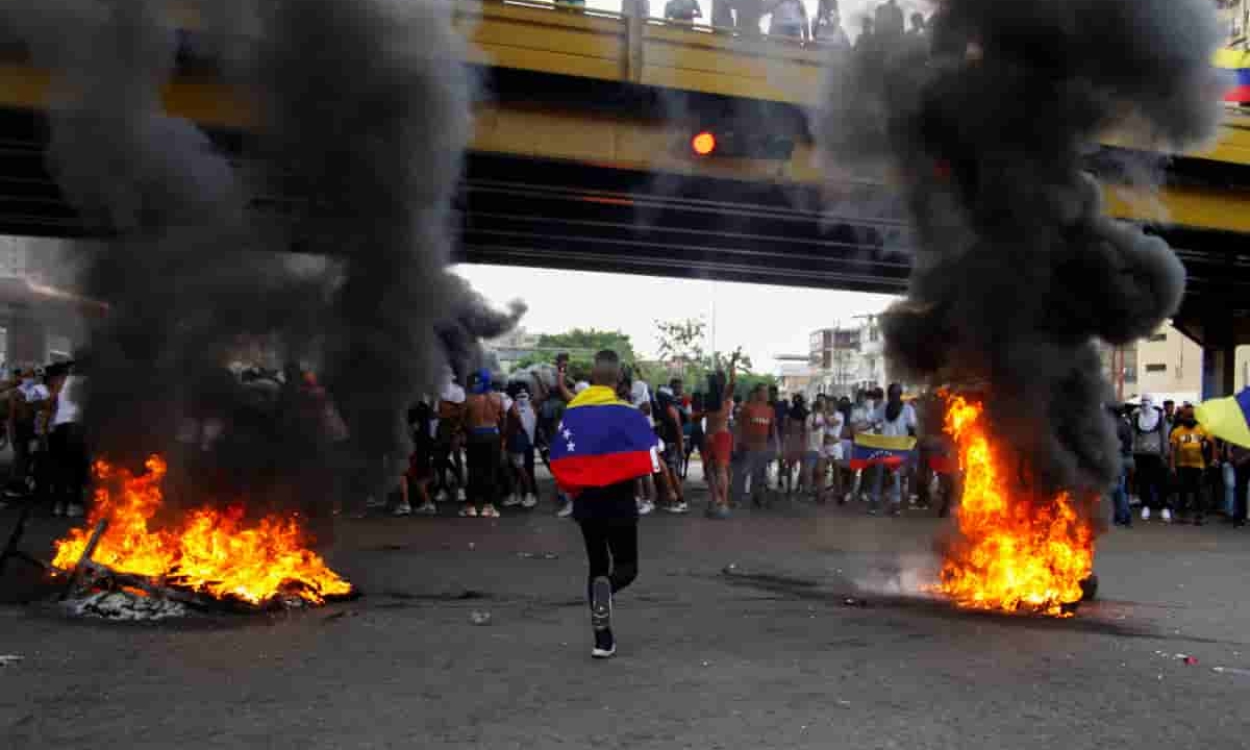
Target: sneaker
[
  {"x": 1145, "y": 513},
  {"x": 529, "y": 502},
  {"x": 1167, "y": 516},
  {"x": 468, "y": 511},
  {"x": 646, "y": 508},
  {"x": 442, "y": 495},
  {"x": 58, "y": 509},
  {"x": 403, "y": 509},
  {"x": 717, "y": 513},
  {"x": 566, "y": 510},
  {"x": 427, "y": 509},
  {"x": 678, "y": 508},
  {"x": 511, "y": 501},
  {"x": 605, "y": 645},
  {"x": 373, "y": 502},
  {"x": 488, "y": 511},
  {"x": 461, "y": 497},
  {"x": 601, "y": 603},
  {"x": 73, "y": 510}
]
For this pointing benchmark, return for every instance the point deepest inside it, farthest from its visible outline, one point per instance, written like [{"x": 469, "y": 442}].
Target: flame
[
  {"x": 213, "y": 551},
  {"x": 1018, "y": 555}
]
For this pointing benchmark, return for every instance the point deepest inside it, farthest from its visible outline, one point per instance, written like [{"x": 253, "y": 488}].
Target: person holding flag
[
  {"x": 890, "y": 450},
  {"x": 601, "y": 445}
]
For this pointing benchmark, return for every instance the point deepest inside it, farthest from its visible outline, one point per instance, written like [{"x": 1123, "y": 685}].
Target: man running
[{"x": 601, "y": 446}]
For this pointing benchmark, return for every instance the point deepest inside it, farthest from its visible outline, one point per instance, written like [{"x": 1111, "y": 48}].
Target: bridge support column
[{"x": 1219, "y": 354}]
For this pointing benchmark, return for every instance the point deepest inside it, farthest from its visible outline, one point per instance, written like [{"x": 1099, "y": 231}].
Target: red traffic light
[{"x": 703, "y": 143}]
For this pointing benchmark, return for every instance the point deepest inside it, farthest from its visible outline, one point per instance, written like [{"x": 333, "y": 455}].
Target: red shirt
[{"x": 757, "y": 425}]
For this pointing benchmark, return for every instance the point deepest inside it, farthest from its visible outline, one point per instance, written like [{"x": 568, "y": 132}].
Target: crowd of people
[
  {"x": 1175, "y": 469},
  {"x": 43, "y": 424},
  {"x": 785, "y": 18},
  {"x": 478, "y": 444}
]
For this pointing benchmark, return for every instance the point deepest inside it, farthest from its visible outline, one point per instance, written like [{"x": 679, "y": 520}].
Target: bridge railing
[{"x": 565, "y": 39}]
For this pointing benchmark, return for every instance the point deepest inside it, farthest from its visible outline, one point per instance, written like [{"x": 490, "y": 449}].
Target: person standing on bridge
[
  {"x": 789, "y": 19},
  {"x": 683, "y": 11},
  {"x": 602, "y": 445}
]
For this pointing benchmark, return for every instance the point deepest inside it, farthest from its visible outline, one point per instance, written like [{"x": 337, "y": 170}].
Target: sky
[{"x": 766, "y": 321}]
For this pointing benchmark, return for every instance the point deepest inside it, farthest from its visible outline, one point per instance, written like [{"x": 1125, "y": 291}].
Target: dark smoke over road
[
  {"x": 1017, "y": 271},
  {"x": 364, "y": 110}
]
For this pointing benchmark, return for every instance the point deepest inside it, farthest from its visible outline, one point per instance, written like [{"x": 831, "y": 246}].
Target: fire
[
  {"x": 1017, "y": 556},
  {"x": 212, "y": 551}
]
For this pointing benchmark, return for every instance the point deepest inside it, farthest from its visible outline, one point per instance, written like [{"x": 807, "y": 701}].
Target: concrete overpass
[{"x": 580, "y": 159}]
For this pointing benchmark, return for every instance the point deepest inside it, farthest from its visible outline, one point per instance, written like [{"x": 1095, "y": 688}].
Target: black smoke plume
[
  {"x": 363, "y": 113},
  {"x": 985, "y": 127}
]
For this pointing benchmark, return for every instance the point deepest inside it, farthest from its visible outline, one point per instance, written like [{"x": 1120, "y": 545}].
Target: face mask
[{"x": 1189, "y": 422}]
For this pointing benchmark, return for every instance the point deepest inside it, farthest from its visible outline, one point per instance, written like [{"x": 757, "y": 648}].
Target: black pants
[
  {"x": 23, "y": 435},
  {"x": 1239, "y": 498},
  {"x": 67, "y": 449},
  {"x": 482, "y": 454},
  {"x": 1189, "y": 490},
  {"x": 612, "y": 550},
  {"x": 1152, "y": 480}
]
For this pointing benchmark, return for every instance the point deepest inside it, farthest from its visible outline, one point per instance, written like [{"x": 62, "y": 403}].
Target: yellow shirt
[{"x": 1187, "y": 446}]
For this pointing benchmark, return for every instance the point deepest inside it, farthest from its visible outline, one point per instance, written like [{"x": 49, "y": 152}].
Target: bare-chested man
[
  {"x": 483, "y": 429},
  {"x": 718, "y": 448}
]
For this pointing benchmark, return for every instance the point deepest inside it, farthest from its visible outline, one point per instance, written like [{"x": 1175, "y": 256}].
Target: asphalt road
[{"x": 763, "y": 654}]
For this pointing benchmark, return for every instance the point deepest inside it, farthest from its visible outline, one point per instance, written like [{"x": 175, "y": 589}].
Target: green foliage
[{"x": 586, "y": 342}]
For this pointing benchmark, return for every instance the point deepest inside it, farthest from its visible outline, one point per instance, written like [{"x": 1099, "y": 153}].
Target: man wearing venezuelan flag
[{"x": 600, "y": 447}]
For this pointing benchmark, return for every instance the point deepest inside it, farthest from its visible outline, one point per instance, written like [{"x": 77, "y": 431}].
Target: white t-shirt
[
  {"x": 815, "y": 431},
  {"x": 861, "y": 418},
  {"x": 68, "y": 406},
  {"x": 639, "y": 394},
  {"x": 452, "y": 394},
  {"x": 834, "y": 425},
  {"x": 788, "y": 13},
  {"x": 902, "y": 424}
]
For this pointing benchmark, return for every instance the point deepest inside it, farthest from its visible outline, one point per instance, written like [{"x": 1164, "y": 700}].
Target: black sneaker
[
  {"x": 601, "y": 604},
  {"x": 605, "y": 645}
]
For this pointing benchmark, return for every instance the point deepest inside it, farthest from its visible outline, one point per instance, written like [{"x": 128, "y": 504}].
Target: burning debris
[
  {"x": 360, "y": 142},
  {"x": 1017, "y": 271},
  {"x": 208, "y": 554},
  {"x": 1014, "y": 553}
]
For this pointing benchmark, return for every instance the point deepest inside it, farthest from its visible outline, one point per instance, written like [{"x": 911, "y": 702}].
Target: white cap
[{"x": 581, "y": 386}]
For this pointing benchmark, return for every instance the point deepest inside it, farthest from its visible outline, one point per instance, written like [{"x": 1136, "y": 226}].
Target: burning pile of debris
[{"x": 211, "y": 559}]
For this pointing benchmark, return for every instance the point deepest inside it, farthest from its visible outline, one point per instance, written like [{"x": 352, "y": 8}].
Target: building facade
[
  {"x": 1166, "y": 364},
  {"x": 844, "y": 359}
]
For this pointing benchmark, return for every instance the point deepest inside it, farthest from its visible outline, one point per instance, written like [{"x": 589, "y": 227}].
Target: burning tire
[{"x": 1089, "y": 588}]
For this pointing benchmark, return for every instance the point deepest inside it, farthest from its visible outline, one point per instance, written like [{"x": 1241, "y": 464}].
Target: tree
[
  {"x": 588, "y": 341},
  {"x": 681, "y": 340},
  {"x": 581, "y": 344}
]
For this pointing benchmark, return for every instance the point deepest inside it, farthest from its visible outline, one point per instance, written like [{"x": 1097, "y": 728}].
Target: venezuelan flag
[
  {"x": 1227, "y": 418},
  {"x": 601, "y": 441},
  {"x": 1236, "y": 62},
  {"x": 881, "y": 450}
]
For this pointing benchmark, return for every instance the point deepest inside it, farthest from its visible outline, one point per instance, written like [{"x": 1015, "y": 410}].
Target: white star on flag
[
  {"x": 570, "y": 447},
  {"x": 568, "y": 434}
]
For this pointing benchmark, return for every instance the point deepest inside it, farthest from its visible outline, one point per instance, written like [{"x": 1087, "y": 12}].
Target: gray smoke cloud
[
  {"x": 985, "y": 128},
  {"x": 364, "y": 111}
]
